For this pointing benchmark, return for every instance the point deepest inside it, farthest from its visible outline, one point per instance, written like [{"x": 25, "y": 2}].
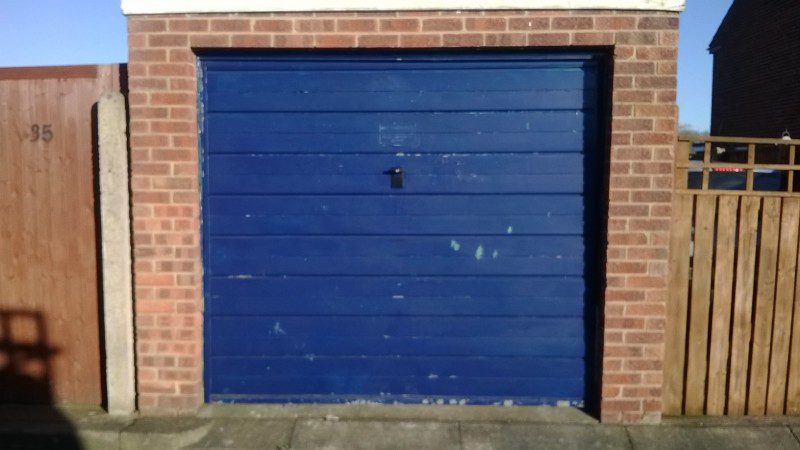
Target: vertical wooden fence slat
[
  {"x": 706, "y": 170},
  {"x": 793, "y": 383},
  {"x": 722, "y": 304},
  {"x": 681, "y": 160},
  {"x": 751, "y": 159},
  {"x": 784, "y": 299},
  {"x": 743, "y": 304},
  {"x": 764, "y": 307},
  {"x": 790, "y": 174},
  {"x": 674, "y": 355},
  {"x": 700, "y": 303}
]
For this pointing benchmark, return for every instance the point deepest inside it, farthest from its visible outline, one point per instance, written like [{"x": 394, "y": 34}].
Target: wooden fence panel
[
  {"x": 49, "y": 306},
  {"x": 733, "y": 331}
]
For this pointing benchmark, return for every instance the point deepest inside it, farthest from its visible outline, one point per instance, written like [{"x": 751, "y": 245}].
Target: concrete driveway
[{"x": 375, "y": 427}]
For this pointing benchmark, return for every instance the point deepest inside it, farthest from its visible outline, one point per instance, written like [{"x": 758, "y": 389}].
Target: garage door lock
[{"x": 396, "y": 174}]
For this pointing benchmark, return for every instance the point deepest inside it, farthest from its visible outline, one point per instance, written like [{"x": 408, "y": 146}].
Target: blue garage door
[{"x": 398, "y": 227}]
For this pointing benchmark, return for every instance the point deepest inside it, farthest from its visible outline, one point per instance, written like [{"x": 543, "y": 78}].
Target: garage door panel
[
  {"x": 412, "y": 205},
  {"x": 528, "y": 390},
  {"x": 360, "y": 60},
  {"x": 421, "y": 164},
  {"x": 405, "y": 246},
  {"x": 324, "y": 283},
  {"x": 252, "y": 264},
  {"x": 396, "y": 255},
  {"x": 443, "y": 296},
  {"x": 394, "y": 305},
  {"x": 402, "y": 101},
  {"x": 260, "y": 224},
  {"x": 261, "y": 345},
  {"x": 314, "y": 77},
  {"x": 399, "y": 140},
  {"x": 227, "y": 79},
  {"x": 420, "y": 326},
  {"x": 436, "y": 296},
  {"x": 414, "y": 183},
  {"x": 412, "y": 366},
  {"x": 407, "y": 287},
  {"x": 255, "y": 174},
  {"x": 395, "y": 215},
  {"x": 414, "y": 123}
]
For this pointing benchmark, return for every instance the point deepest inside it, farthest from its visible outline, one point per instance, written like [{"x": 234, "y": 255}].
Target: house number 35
[{"x": 43, "y": 132}]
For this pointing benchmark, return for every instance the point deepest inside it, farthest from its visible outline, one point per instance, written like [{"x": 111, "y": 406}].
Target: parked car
[{"x": 732, "y": 179}]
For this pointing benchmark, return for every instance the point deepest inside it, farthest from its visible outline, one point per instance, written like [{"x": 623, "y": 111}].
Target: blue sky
[
  {"x": 698, "y": 25},
  {"x": 61, "y": 32}
]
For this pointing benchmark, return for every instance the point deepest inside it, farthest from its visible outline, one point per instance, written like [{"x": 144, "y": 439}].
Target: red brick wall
[{"x": 165, "y": 182}]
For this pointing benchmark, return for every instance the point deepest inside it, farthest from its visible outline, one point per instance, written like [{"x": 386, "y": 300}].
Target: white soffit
[{"x": 132, "y": 7}]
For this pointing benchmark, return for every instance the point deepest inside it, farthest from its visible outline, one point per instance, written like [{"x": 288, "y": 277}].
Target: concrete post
[{"x": 116, "y": 249}]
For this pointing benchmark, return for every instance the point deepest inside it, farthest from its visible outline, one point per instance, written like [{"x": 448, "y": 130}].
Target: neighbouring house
[
  {"x": 757, "y": 70},
  {"x": 438, "y": 201}
]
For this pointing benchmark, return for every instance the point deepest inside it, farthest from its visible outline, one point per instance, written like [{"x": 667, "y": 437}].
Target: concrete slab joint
[{"x": 116, "y": 252}]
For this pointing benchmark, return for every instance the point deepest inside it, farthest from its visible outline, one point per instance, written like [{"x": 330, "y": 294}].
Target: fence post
[{"x": 116, "y": 251}]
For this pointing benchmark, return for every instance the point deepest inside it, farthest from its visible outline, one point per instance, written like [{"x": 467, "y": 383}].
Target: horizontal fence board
[
  {"x": 743, "y": 166},
  {"x": 754, "y": 194},
  {"x": 49, "y": 73}
]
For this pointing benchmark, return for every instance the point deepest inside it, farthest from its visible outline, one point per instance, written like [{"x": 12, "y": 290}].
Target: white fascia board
[{"x": 135, "y": 7}]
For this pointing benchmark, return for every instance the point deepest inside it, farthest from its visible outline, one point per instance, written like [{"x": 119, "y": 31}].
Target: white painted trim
[{"x": 133, "y": 7}]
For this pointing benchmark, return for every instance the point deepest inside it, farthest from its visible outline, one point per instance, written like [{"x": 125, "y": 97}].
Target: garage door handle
[{"x": 396, "y": 174}]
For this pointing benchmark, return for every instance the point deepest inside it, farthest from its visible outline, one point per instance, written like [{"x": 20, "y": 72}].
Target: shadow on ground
[{"x": 28, "y": 419}]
